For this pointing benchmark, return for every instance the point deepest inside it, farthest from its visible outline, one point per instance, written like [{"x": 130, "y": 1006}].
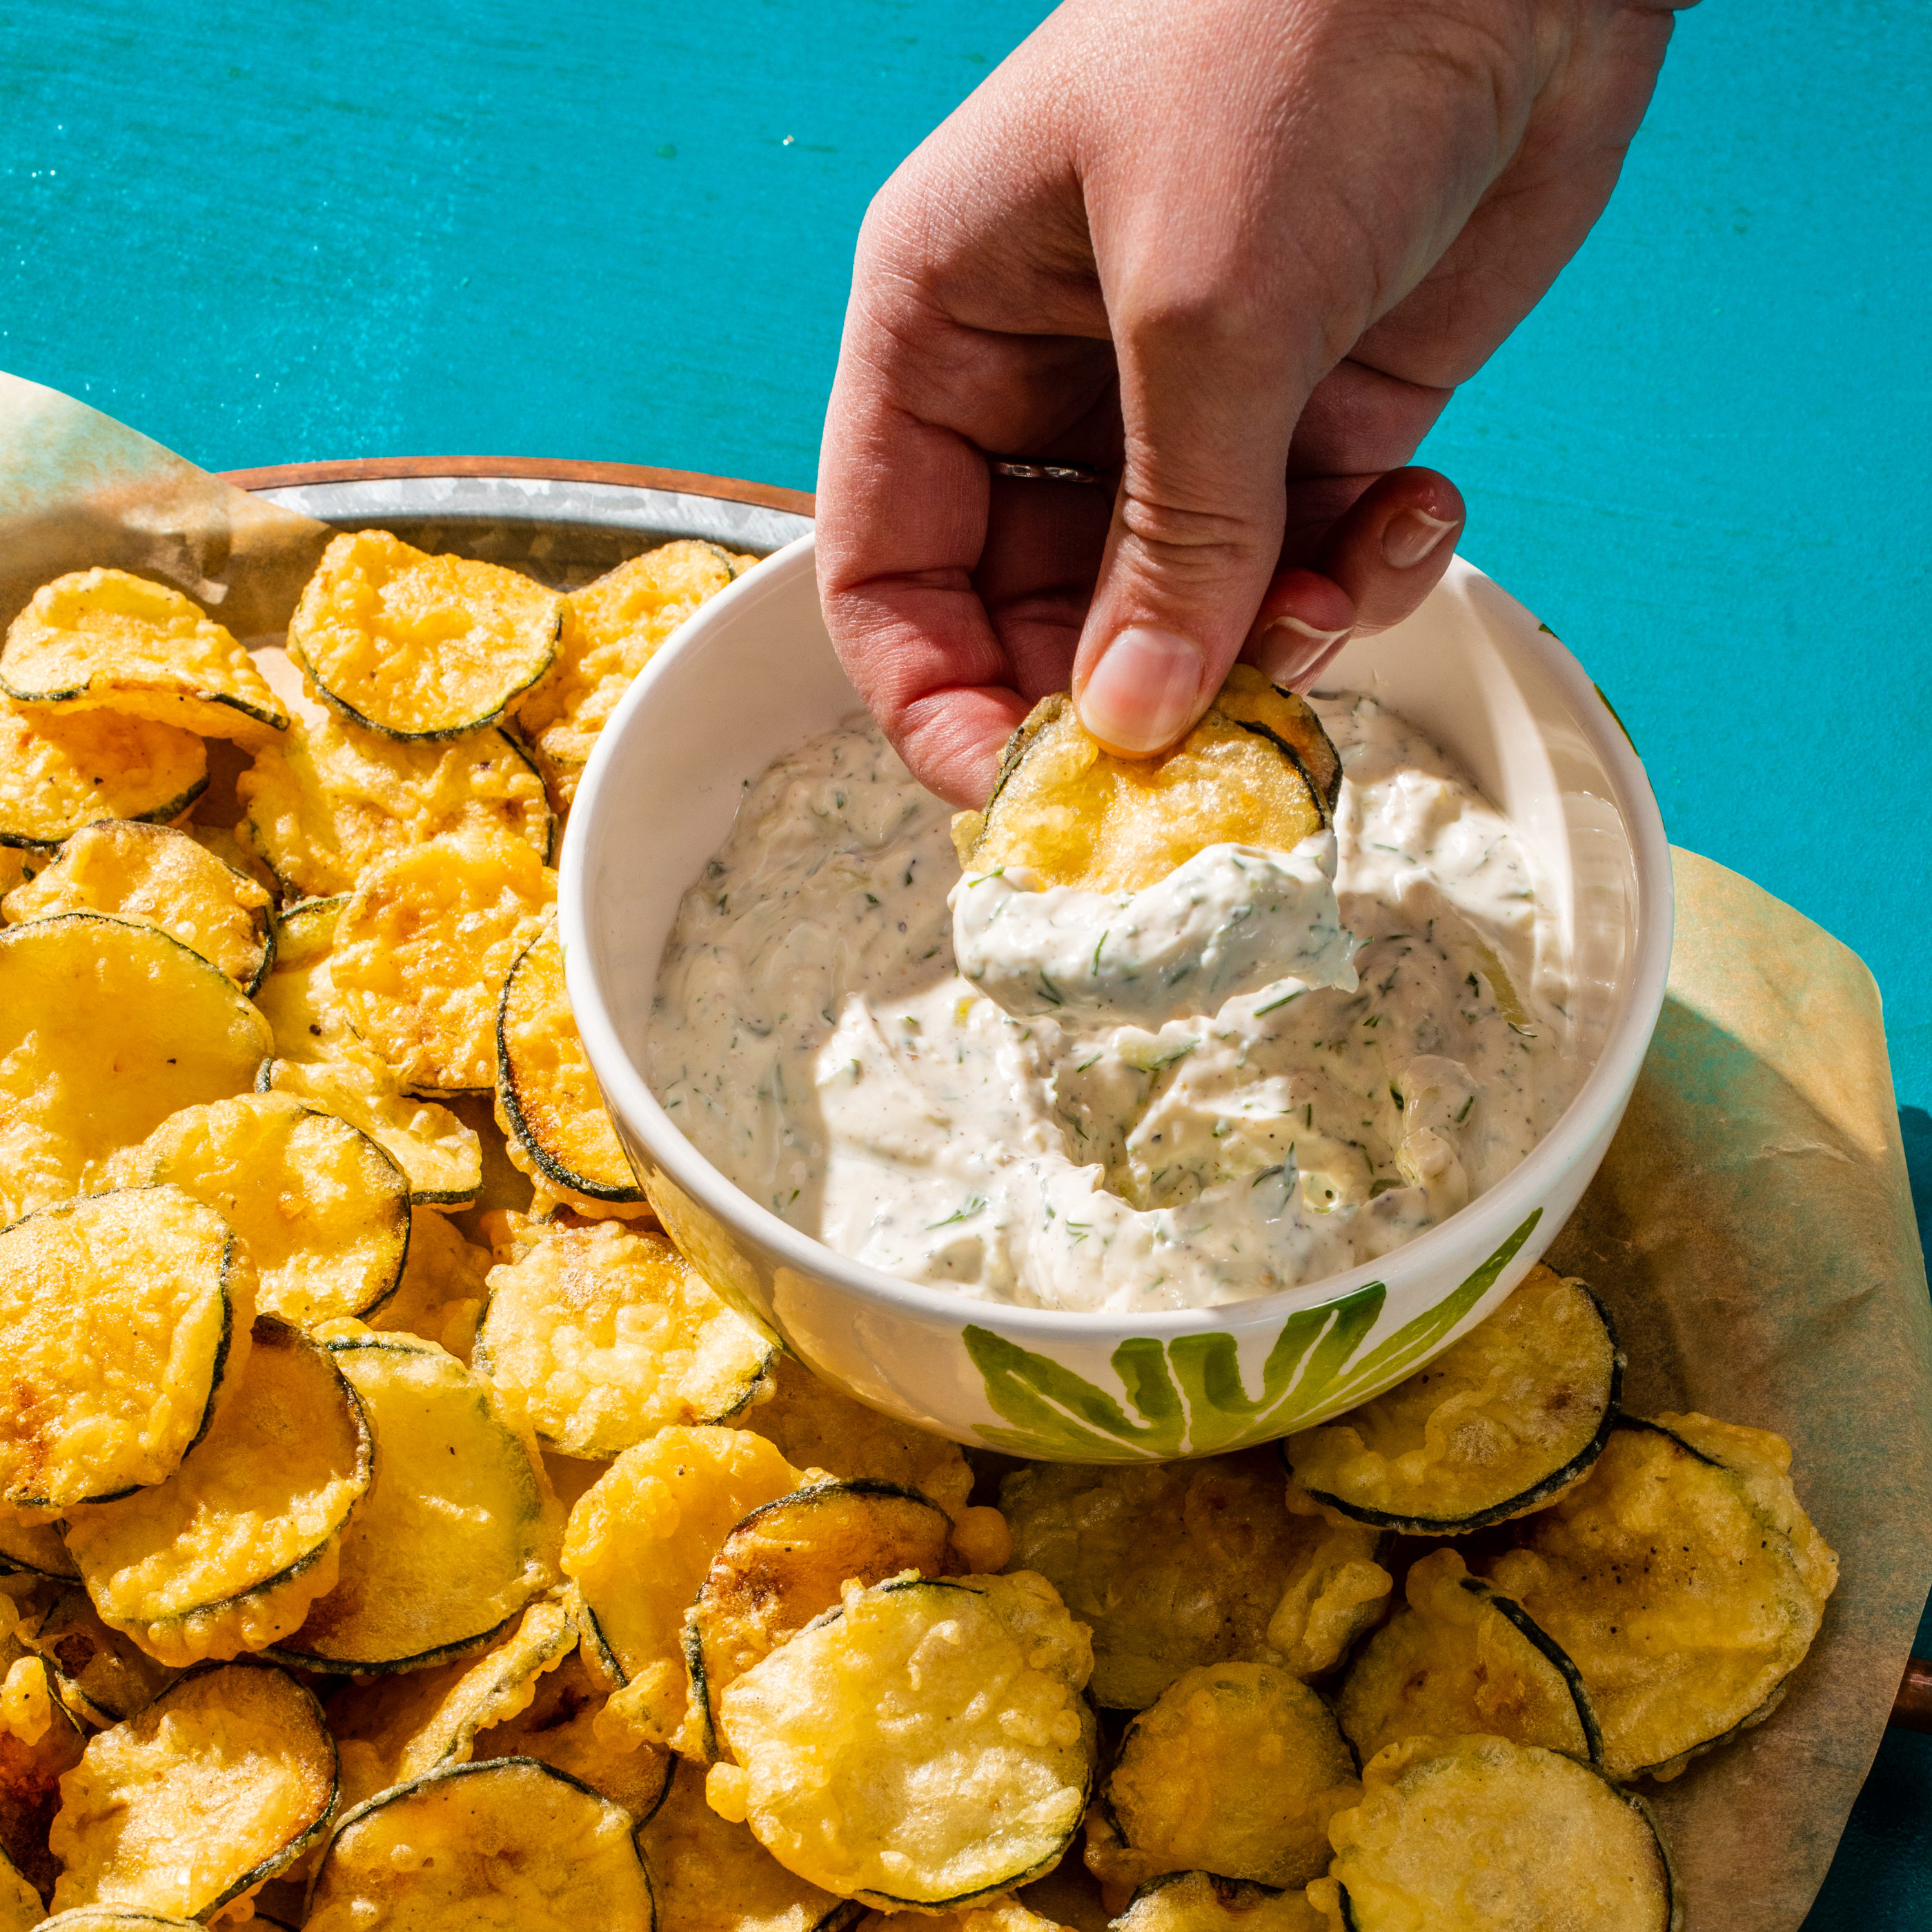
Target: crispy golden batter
[
  {"x": 1199, "y": 1901},
  {"x": 101, "y": 1675},
  {"x": 60, "y": 770},
  {"x": 443, "y": 1283},
  {"x": 558, "y": 1726},
  {"x": 440, "y": 1158},
  {"x": 20, "y": 1906},
  {"x": 30, "y": 1795}
]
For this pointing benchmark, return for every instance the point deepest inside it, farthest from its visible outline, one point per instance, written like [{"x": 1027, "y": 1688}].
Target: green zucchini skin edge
[
  {"x": 1533, "y": 1498},
  {"x": 1512, "y": 1613},
  {"x": 275, "y": 720},
  {"x": 161, "y": 814},
  {"x": 697, "y": 1683},
  {"x": 1149, "y": 1887}
]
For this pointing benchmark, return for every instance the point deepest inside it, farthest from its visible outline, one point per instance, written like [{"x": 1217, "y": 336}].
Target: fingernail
[
  {"x": 1287, "y": 649},
  {"x": 1143, "y": 693},
  {"x": 1409, "y": 536}
]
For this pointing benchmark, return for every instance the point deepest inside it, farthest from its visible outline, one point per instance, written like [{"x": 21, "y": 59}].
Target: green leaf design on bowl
[{"x": 1186, "y": 1397}]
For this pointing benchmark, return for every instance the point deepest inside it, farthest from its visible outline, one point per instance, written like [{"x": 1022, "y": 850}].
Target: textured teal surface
[{"x": 273, "y": 231}]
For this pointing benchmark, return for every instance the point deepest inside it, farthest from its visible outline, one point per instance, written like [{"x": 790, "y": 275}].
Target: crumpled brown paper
[{"x": 1751, "y": 1229}]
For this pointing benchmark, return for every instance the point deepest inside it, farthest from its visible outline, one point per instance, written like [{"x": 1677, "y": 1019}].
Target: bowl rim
[{"x": 1482, "y": 1227}]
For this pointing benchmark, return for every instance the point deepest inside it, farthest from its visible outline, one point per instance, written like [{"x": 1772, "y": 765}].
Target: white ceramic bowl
[{"x": 753, "y": 675}]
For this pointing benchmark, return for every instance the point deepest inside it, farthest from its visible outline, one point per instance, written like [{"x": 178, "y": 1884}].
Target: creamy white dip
[{"x": 1238, "y": 1080}]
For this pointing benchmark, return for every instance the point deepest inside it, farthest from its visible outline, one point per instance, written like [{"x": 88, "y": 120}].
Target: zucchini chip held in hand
[
  {"x": 1478, "y": 1834},
  {"x": 60, "y": 770},
  {"x": 1496, "y": 1426},
  {"x": 925, "y": 1743},
  {"x": 1258, "y": 769},
  {"x": 1683, "y": 1578}
]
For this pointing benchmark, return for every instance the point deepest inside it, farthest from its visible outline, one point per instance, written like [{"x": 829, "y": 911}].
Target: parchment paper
[{"x": 1751, "y": 1229}]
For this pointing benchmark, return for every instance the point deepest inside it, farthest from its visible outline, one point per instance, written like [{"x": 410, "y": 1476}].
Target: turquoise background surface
[{"x": 264, "y": 233}]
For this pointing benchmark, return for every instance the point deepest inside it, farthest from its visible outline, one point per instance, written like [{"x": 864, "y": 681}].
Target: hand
[{"x": 1239, "y": 253}]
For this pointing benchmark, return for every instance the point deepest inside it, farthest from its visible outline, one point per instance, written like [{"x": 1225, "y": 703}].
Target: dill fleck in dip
[{"x": 1143, "y": 1118}]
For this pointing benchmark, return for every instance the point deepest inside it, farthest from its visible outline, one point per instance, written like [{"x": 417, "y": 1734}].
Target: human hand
[{"x": 1240, "y": 252}]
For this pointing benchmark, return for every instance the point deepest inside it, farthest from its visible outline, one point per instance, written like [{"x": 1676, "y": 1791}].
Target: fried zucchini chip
[
  {"x": 818, "y": 1427},
  {"x": 34, "y": 1548},
  {"x": 422, "y": 949},
  {"x": 1199, "y": 1901},
  {"x": 101, "y": 1675},
  {"x": 1075, "y": 815},
  {"x": 925, "y": 1744},
  {"x": 30, "y": 1795},
  {"x": 20, "y": 1906},
  {"x": 443, "y": 1288},
  {"x": 1494, "y": 1427},
  {"x": 611, "y": 628},
  {"x": 547, "y": 1100},
  {"x": 124, "y": 1321},
  {"x": 459, "y": 1530},
  {"x": 713, "y": 1876},
  {"x": 440, "y": 1158},
  {"x": 106, "y": 639},
  {"x": 326, "y": 803},
  {"x": 639, "y": 1545},
  {"x": 228, "y": 1554},
  {"x": 106, "y": 1028},
  {"x": 324, "y": 1211},
  {"x": 558, "y": 1726},
  {"x": 60, "y": 770},
  {"x": 125, "y": 1918},
  {"x": 1684, "y": 1581},
  {"x": 223, "y": 1781},
  {"x": 298, "y": 997},
  {"x": 605, "y": 1335},
  {"x": 1236, "y": 1769},
  {"x": 1174, "y": 1565},
  {"x": 787, "y": 1562},
  {"x": 412, "y": 646},
  {"x": 510, "y": 1845},
  {"x": 1479, "y": 1834},
  {"x": 1464, "y": 1656},
  {"x": 156, "y": 876}
]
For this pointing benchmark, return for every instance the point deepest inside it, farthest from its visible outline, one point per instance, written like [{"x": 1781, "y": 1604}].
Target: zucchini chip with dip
[
  {"x": 223, "y": 1781},
  {"x": 1463, "y": 1657},
  {"x": 1235, "y": 1769},
  {"x": 547, "y": 1101},
  {"x": 107, "y": 1028},
  {"x": 507, "y": 1843},
  {"x": 605, "y": 1336},
  {"x": 107, "y": 639},
  {"x": 1684, "y": 1580},
  {"x": 422, "y": 949},
  {"x": 1499, "y": 1424},
  {"x": 60, "y": 770},
  {"x": 155, "y": 876},
  {"x": 127, "y": 1314},
  {"x": 324, "y": 1211},
  {"x": 412, "y": 646},
  {"x": 1199, "y": 1901},
  {"x": 324, "y": 805},
  {"x": 924, "y": 1744},
  {"x": 1257, "y": 770},
  {"x": 228, "y": 1554},
  {"x": 458, "y": 1531},
  {"x": 1173, "y": 1565},
  {"x": 1479, "y": 1834}
]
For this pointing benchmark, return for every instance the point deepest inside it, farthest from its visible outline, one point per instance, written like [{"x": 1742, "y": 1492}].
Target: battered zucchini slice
[
  {"x": 97, "y": 639},
  {"x": 441, "y": 1158},
  {"x": 157, "y": 876},
  {"x": 106, "y": 1029},
  {"x": 547, "y": 1100},
  {"x": 412, "y": 646},
  {"x": 925, "y": 1744},
  {"x": 1175, "y": 1565},
  {"x": 60, "y": 770},
  {"x": 30, "y": 1795},
  {"x": 99, "y": 1675},
  {"x": 1197, "y": 1901},
  {"x": 605, "y": 1336},
  {"x": 121, "y": 1918},
  {"x": 124, "y": 1321},
  {"x": 298, "y": 996},
  {"x": 324, "y": 1211},
  {"x": 787, "y": 1562},
  {"x": 1684, "y": 1581},
  {"x": 223, "y": 1781},
  {"x": 1494, "y": 1427},
  {"x": 559, "y": 1727},
  {"x": 1464, "y": 1656},
  {"x": 326, "y": 803},
  {"x": 1235, "y": 1769},
  {"x": 712, "y": 1875},
  {"x": 20, "y": 1906},
  {"x": 442, "y": 1284},
  {"x": 639, "y": 1545},
  {"x": 228, "y": 1554},
  {"x": 422, "y": 949},
  {"x": 34, "y": 1548},
  {"x": 1479, "y": 1834},
  {"x": 1075, "y": 815},
  {"x": 510, "y": 1844},
  {"x": 458, "y": 1531},
  {"x": 611, "y": 629}
]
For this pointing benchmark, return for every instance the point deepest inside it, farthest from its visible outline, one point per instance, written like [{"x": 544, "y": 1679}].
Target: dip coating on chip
[{"x": 60, "y": 770}]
